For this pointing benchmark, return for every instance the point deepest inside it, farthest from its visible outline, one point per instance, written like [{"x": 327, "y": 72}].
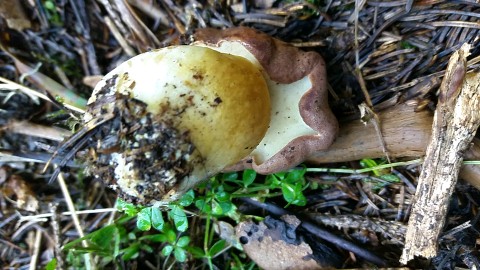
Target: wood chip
[{"x": 457, "y": 118}]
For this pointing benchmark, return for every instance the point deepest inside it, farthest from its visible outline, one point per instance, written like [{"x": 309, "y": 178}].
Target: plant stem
[
  {"x": 206, "y": 240},
  {"x": 364, "y": 170}
]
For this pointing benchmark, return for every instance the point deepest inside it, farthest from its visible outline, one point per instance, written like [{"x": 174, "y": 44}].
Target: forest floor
[{"x": 378, "y": 53}]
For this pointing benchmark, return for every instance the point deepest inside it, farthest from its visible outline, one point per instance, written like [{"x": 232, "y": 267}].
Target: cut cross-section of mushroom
[
  {"x": 301, "y": 120},
  {"x": 178, "y": 116}
]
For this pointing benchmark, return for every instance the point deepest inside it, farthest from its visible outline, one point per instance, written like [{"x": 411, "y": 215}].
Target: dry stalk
[
  {"x": 89, "y": 262},
  {"x": 456, "y": 120},
  {"x": 36, "y": 249}
]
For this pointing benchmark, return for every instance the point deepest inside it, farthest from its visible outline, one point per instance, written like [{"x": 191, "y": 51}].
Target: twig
[
  {"x": 36, "y": 249},
  {"x": 367, "y": 108},
  {"x": 35, "y": 130},
  {"x": 456, "y": 120},
  {"x": 22, "y": 229},
  {"x": 119, "y": 37},
  {"x": 83, "y": 212},
  {"x": 47, "y": 84},
  {"x": 392, "y": 230},
  {"x": 54, "y": 222},
  {"x": 34, "y": 94},
  {"x": 369, "y": 116},
  {"x": 80, "y": 10},
  {"x": 89, "y": 263}
]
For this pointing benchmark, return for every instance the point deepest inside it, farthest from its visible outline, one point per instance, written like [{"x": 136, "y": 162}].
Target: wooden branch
[{"x": 456, "y": 120}]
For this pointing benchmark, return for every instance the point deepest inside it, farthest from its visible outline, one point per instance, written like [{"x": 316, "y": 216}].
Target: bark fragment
[{"x": 456, "y": 120}]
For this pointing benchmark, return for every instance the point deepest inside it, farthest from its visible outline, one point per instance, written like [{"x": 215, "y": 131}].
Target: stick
[
  {"x": 455, "y": 122},
  {"x": 319, "y": 232}
]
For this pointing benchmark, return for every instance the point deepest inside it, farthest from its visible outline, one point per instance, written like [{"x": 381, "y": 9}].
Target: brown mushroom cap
[{"x": 284, "y": 64}]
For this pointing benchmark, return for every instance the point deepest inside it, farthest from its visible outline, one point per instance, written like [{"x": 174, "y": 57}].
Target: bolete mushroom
[
  {"x": 301, "y": 120},
  {"x": 167, "y": 119}
]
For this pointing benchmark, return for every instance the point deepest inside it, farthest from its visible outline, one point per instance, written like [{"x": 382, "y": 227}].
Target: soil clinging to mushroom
[{"x": 155, "y": 154}]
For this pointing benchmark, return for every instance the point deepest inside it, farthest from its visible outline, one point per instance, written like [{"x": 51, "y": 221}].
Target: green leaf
[
  {"x": 203, "y": 206},
  {"x": 293, "y": 194},
  {"x": 217, "y": 208},
  {"x": 187, "y": 198},
  {"x": 167, "y": 250},
  {"x": 183, "y": 241},
  {"x": 144, "y": 219},
  {"x": 368, "y": 163},
  {"x": 298, "y": 187},
  {"x": 295, "y": 176},
  {"x": 157, "y": 218},
  {"x": 103, "y": 237},
  {"x": 73, "y": 244},
  {"x": 230, "y": 176},
  {"x": 281, "y": 175},
  {"x": 146, "y": 248},
  {"x": 49, "y": 5},
  {"x": 130, "y": 252},
  {"x": 180, "y": 254},
  {"x": 226, "y": 207},
  {"x": 248, "y": 177},
  {"x": 159, "y": 238},
  {"x": 171, "y": 236},
  {"x": 392, "y": 178},
  {"x": 51, "y": 265},
  {"x": 406, "y": 45},
  {"x": 91, "y": 249},
  {"x": 222, "y": 196},
  {"x": 272, "y": 181},
  {"x": 196, "y": 252},
  {"x": 216, "y": 248},
  {"x": 131, "y": 235},
  {"x": 179, "y": 218},
  {"x": 129, "y": 209},
  {"x": 301, "y": 200},
  {"x": 288, "y": 191}
]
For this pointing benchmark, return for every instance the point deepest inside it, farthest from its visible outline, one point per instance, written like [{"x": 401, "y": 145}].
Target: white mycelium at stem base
[{"x": 194, "y": 112}]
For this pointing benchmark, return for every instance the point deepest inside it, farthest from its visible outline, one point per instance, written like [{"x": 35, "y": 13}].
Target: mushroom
[
  {"x": 301, "y": 120},
  {"x": 165, "y": 120}
]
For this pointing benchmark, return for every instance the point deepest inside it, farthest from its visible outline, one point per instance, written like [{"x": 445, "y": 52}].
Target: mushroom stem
[
  {"x": 405, "y": 131},
  {"x": 406, "y": 134}
]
